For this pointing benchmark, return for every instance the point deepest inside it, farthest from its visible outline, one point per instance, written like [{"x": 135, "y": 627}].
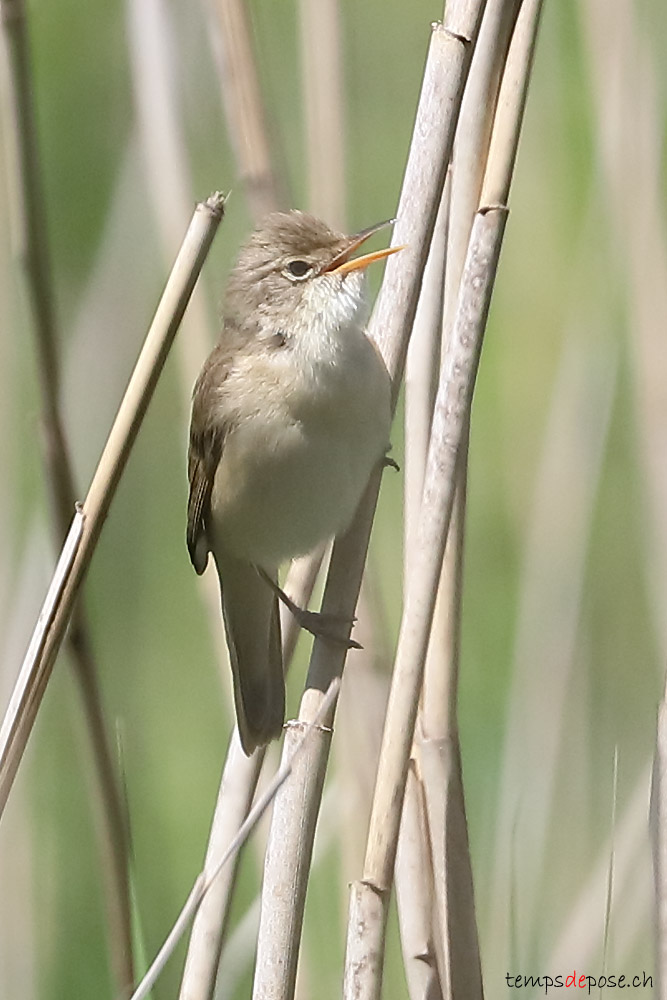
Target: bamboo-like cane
[
  {"x": 295, "y": 814},
  {"x": 414, "y": 894},
  {"x": 237, "y": 786},
  {"x": 413, "y": 870},
  {"x": 244, "y": 109},
  {"x": 421, "y": 375},
  {"x": 302, "y": 735},
  {"x": 369, "y": 898},
  {"x": 456, "y": 930},
  {"x": 33, "y": 247},
  {"x": 322, "y": 86},
  {"x": 18, "y": 722}
]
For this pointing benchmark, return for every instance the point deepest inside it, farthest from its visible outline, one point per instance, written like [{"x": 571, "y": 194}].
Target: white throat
[{"x": 336, "y": 311}]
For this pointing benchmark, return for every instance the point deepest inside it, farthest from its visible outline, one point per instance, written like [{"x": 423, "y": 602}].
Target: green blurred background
[{"x": 565, "y": 603}]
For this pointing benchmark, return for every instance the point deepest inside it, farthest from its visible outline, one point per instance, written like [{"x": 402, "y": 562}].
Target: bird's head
[{"x": 294, "y": 260}]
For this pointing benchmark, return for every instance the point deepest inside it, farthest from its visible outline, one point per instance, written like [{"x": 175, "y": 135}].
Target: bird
[{"x": 291, "y": 413}]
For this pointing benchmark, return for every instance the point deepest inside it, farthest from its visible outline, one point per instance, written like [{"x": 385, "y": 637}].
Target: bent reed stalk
[{"x": 17, "y": 725}]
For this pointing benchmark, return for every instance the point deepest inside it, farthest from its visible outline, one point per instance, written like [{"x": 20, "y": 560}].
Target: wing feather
[{"x": 207, "y": 436}]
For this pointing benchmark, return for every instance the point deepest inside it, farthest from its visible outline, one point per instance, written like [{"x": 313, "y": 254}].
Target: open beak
[{"x": 342, "y": 264}]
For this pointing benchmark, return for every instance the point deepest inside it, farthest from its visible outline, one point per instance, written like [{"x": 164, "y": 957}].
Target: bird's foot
[
  {"x": 320, "y": 624},
  {"x": 323, "y": 625},
  {"x": 388, "y": 462}
]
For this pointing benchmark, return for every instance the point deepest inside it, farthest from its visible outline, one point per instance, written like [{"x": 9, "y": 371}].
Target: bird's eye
[{"x": 298, "y": 269}]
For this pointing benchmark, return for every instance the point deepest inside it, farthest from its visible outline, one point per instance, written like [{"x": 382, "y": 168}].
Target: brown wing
[
  {"x": 201, "y": 473},
  {"x": 207, "y": 435}
]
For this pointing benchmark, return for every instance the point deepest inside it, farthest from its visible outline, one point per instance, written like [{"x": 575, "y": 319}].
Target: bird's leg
[{"x": 318, "y": 623}]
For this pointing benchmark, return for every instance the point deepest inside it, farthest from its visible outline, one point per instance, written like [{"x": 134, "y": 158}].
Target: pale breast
[{"x": 293, "y": 470}]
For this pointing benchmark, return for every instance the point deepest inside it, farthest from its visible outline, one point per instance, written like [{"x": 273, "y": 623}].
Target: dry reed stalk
[
  {"x": 454, "y": 923},
  {"x": 456, "y": 929},
  {"x": 421, "y": 375},
  {"x": 244, "y": 109},
  {"x": 414, "y": 894},
  {"x": 33, "y": 249},
  {"x": 370, "y": 897},
  {"x": 304, "y": 734},
  {"x": 413, "y": 871},
  {"x": 359, "y": 721},
  {"x": 17, "y": 725},
  {"x": 322, "y": 87},
  {"x": 286, "y": 871},
  {"x": 281, "y": 914},
  {"x": 239, "y": 949},
  {"x": 324, "y": 99},
  {"x": 472, "y": 140},
  {"x": 504, "y": 142},
  {"x": 237, "y": 788}
]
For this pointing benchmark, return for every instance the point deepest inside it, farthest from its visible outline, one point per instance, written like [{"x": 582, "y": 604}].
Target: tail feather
[{"x": 252, "y": 624}]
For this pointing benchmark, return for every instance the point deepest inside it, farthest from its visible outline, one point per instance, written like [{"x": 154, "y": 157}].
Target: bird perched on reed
[{"x": 290, "y": 414}]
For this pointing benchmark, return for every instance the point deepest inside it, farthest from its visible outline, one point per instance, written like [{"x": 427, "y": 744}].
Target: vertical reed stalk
[
  {"x": 414, "y": 869},
  {"x": 440, "y": 754},
  {"x": 415, "y": 880},
  {"x": 370, "y": 897},
  {"x": 207, "y": 878},
  {"x": 295, "y": 815},
  {"x": 237, "y": 788}
]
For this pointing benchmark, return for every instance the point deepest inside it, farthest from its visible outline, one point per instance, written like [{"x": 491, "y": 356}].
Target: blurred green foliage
[{"x": 561, "y": 278}]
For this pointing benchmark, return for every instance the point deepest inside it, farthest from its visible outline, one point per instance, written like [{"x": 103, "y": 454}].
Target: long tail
[{"x": 252, "y": 623}]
